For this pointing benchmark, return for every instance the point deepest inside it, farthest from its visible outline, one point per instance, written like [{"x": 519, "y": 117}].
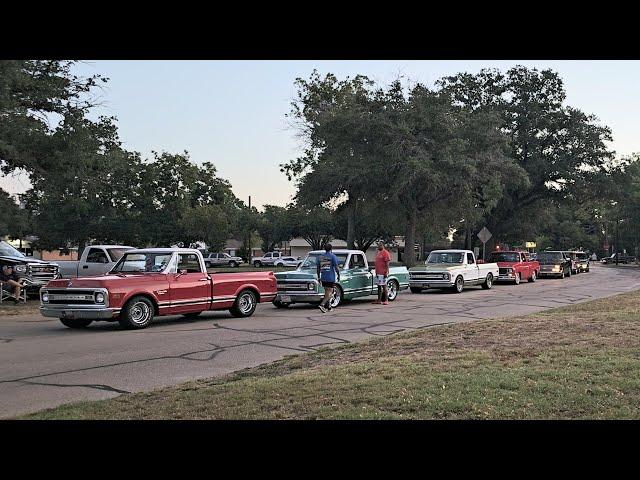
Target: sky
[{"x": 232, "y": 113}]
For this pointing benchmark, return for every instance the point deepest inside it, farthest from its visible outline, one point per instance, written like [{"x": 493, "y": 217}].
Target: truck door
[
  {"x": 190, "y": 291},
  {"x": 360, "y": 278},
  {"x": 526, "y": 267},
  {"x": 94, "y": 264},
  {"x": 472, "y": 273}
]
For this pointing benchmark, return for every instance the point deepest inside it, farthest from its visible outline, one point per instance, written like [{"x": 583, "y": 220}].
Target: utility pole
[
  {"x": 617, "y": 242},
  {"x": 249, "y": 237}
]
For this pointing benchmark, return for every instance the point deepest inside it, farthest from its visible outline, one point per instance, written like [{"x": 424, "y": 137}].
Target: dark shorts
[{"x": 328, "y": 284}]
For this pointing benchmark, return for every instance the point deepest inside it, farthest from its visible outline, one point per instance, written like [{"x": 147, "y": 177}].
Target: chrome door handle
[{"x": 203, "y": 280}]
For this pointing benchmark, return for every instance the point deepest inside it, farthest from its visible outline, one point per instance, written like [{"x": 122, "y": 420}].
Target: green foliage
[{"x": 274, "y": 226}]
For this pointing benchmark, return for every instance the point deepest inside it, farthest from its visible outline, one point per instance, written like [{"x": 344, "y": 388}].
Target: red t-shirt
[{"x": 383, "y": 257}]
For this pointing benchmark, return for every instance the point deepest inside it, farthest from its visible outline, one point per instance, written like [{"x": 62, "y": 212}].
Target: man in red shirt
[{"x": 383, "y": 258}]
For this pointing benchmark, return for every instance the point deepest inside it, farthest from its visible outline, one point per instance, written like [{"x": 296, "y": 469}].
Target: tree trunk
[
  {"x": 351, "y": 222},
  {"x": 409, "y": 256}
]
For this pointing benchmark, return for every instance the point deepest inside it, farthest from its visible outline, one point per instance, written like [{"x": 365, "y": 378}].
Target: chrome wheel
[
  {"x": 459, "y": 286},
  {"x": 246, "y": 303},
  {"x": 392, "y": 290},
  {"x": 140, "y": 313},
  {"x": 533, "y": 277},
  {"x": 488, "y": 283},
  {"x": 336, "y": 297},
  {"x": 517, "y": 278}
]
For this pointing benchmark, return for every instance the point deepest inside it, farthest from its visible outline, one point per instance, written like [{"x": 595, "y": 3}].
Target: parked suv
[
  {"x": 268, "y": 259},
  {"x": 218, "y": 259}
]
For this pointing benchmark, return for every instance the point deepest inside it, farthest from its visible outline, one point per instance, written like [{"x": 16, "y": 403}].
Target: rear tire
[
  {"x": 76, "y": 323},
  {"x": 245, "y": 304},
  {"x": 392, "y": 290},
  {"x": 137, "y": 313},
  {"x": 233, "y": 264},
  {"x": 488, "y": 283},
  {"x": 257, "y": 264},
  {"x": 415, "y": 289}
]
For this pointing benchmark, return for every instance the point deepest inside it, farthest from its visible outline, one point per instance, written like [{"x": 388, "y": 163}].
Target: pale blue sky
[{"x": 232, "y": 113}]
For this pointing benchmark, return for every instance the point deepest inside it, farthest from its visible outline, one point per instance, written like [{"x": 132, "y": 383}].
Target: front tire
[
  {"x": 488, "y": 283},
  {"x": 233, "y": 264},
  {"x": 257, "y": 264},
  {"x": 279, "y": 304},
  {"x": 137, "y": 313},
  {"x": 76, "y": 323},
  {"x": 245, "y": 304},
  {"x": 458, "y": 286},
  {"x": 517, "y": 280},
  {"x": 533, "y": 276},
  {"x": 336, "y": 297},
  {"x": 415, "y": 289}
]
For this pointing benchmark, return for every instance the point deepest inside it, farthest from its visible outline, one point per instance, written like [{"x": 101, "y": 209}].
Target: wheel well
[{"x": 156, "y": 309}]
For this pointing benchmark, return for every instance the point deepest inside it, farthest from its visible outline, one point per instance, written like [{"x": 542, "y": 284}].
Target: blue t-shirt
[{"x": 328, "y": 265}]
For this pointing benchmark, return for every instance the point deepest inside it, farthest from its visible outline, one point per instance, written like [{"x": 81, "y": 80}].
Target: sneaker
[
  {"x": 385, "y": 303},
  {"x": 322, "y": 309}
]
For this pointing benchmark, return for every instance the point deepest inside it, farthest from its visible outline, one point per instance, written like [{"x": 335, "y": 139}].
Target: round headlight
[
  {"x": 45, "y": 297},
  {"x": 20, "y": 268},
  {"x": 99, "y": 297},
  {"x": 310, "y": 286}
]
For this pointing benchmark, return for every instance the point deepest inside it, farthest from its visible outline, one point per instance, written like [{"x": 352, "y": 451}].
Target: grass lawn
[{"x": 580, "y": 361}]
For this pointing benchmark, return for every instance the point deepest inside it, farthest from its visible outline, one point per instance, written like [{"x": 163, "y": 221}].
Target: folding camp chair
[{"x": 7, "y": 293}]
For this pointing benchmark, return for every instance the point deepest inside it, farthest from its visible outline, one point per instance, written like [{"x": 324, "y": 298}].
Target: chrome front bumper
[
  {"x": 300, "y": 297},
  {"x": 97, "y": 312},
  {"x": 430, "y": 283}
]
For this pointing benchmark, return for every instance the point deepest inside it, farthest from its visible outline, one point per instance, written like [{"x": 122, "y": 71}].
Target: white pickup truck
[
  {"x": 454, "y": 269},
  {"x": 95, "y": 260}
]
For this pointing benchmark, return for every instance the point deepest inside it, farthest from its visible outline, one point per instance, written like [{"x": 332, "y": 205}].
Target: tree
[
  {"x": 208, "y": 223},
  {"x": 375, "y": 221},
  {"x": 34, "y": 95},
  {"x": 339, "y": 167},
  {"x": 274, "y": 227},
  {"x": 315, "y": 225},
  {"x": 558, "y": 146},
  {"x": 13, "y": 220}
]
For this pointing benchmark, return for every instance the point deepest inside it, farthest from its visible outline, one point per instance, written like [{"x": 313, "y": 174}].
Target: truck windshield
[
  {"x": 116, "y": 253},
  {"x": 9, "y": 251},
  {"x": 445, "y": 257},
  {"x": 504, "y": 257},
  {"x": 312, "y": 261},
  {"x": 148, "y": 262}
]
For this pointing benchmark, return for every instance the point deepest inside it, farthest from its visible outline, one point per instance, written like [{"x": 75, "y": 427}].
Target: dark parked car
[
  {"x": 554, "y": 264},
  {"x": 623, "y": 258}
]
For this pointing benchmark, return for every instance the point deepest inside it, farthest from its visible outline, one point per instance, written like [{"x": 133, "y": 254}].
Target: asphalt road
[{"x": 44, "y": 364}]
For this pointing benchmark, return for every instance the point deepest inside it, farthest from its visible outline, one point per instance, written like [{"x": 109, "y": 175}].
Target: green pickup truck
[{"x": 356, "y": 280}]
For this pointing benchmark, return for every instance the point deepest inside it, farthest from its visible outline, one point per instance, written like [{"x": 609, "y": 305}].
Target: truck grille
[
  {"x": 47, "y": 272},
  {"x": 425, "y": 276},
  {"x": 289, "y": 287},
  {"x": 503, "y": 271},
  {"x": 76, "y": 297}
]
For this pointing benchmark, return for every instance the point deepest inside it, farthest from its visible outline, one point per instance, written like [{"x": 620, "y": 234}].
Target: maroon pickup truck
[
  {"x": 515, "y": 266},
  {"x": 153, "y": 282}
]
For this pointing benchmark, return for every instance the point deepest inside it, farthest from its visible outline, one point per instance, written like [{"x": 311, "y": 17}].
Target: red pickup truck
[
  {"x": 515, "y": 266},
  {"x": 153, "y": 282}
]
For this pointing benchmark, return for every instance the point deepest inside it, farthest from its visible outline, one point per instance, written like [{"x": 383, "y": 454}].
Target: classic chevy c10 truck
[
  {"x": 154, "y": 282},
  {"x": 452, "y": 269},
  {"x": 357, "y": 279}
]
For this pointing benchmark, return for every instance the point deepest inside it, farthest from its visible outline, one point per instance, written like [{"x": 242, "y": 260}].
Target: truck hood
[
  {"x": 106, "y": 281},
  {"x": 30, "y": 260},
  {"x": 297, "y": 275},
  {"x": 435, "y": 267}
]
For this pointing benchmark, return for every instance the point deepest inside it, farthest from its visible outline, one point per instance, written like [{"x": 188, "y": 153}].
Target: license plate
[{"x": 285, "y": 298}]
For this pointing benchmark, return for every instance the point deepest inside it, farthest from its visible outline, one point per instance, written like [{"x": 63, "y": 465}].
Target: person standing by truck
[
  {"x": 328, "y": 274},
  {"x": 382, "y": 260}
]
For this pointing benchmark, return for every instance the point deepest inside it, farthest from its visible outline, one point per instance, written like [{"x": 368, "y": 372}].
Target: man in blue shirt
[{"x": 328, "y": 274}]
